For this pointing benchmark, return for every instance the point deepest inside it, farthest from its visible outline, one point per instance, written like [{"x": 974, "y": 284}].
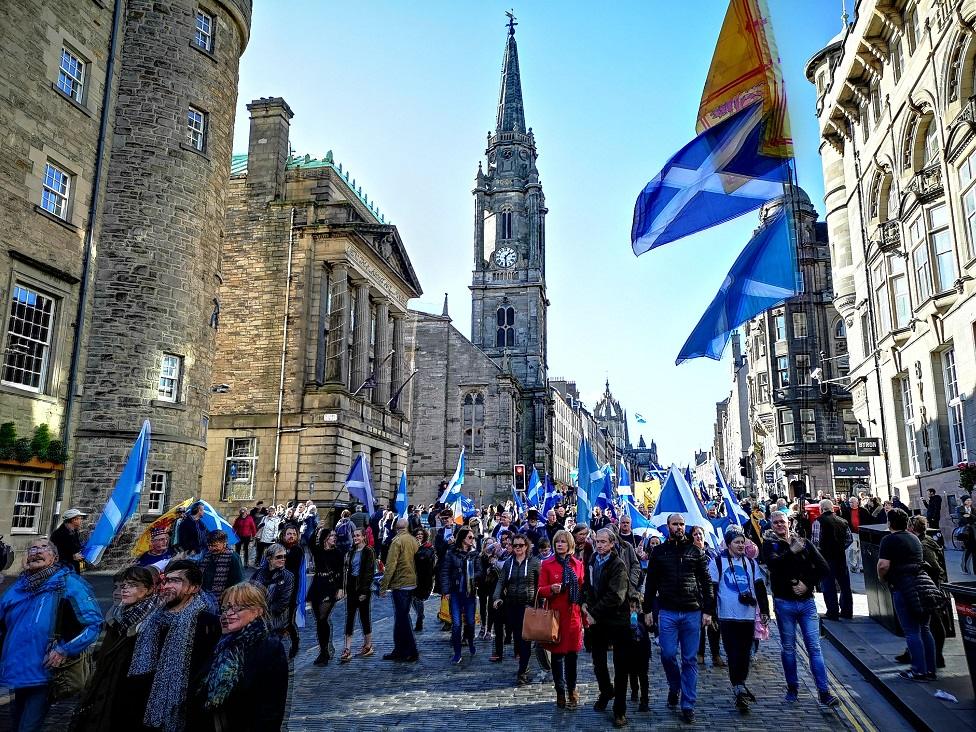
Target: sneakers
[
  {"x": 523, "y": 679},
  {"x": 912, "y": 676},
  {"x": 749, "y": 695},
  {"x": 828, "y": 699},
  {"x": 321, "y": 660},
  {"x": 673, "y": 697},
  {"x": 364, "y": 652},
  {"x": 456, "y": 659},
  {"x": 620, "y": 721},
  {"x": 472, "y": 647},
  {"x": 742, "y": 702},
  {"x": 792, "y": 694},
  {"x": 688, "y": 716}
]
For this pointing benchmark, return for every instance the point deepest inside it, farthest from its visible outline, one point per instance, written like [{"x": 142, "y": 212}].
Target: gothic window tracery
[
  {"x": 473, "y": 421},
  {"x": 505, "y": 327}
]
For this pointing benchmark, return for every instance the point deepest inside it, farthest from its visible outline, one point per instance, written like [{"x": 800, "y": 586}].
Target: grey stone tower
[
  {"x": 508, "y": 284},
  {"x": 154, "y": 311}
]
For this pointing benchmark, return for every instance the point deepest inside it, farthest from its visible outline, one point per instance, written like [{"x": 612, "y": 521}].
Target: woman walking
[
  {"x": 326, "y": 586},
  {"x": 460, "y": 576},
  {"x": 279, "y": 585},
  {"x": 966, "y": 518},
  {"x": 294, "y": 563},
  {"x": 245, "y": 529},
  {"x": 935, "y": 567},
  {"x": 489, "y": 578},
  {"x": 267, "y": 533},
  {"x": 561, "y": 583},
  {"x": 357, "y": 580},
  {"x": 425, "y": 562},
  {"x": 518, "y": 581}
]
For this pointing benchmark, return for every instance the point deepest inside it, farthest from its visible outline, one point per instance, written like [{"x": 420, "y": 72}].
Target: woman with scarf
[
  {"x": 326, "y": 585},
  {"x": 107, "y": 702},
  {"x": 279, "y": 584},
  {"x": 460, "y": 576},
  {"x": 518, "y": 580},
  {"x": 357, "y": 581},
  {"x": 294, "y": 563},
  {"x": 247, "y": 684},
  {"x": 561, "y": 584}
]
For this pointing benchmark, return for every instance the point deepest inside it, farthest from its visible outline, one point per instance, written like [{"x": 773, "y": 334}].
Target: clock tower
[{"x": 508, "y": 284}]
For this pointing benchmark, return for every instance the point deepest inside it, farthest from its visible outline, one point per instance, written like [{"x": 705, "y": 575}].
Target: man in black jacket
[
  {"x": 607, "y": 610},
  {"x": 933, "y": 509},
  {"x": 677, "y": 575},
  {"x": 831, "y": 535},
  {"x": 795, "y": 567}
]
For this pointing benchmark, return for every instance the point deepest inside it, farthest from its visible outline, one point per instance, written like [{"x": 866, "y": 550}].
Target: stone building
[
  {"x": 733, "y": 435},
  {"x": 895, "y": 102},
  {"x": 612, "y": 420},
  {"x": 643, "y": 460},
  {"x": 117, "y": 137},
  {"x": 567, "y": 430},
  {"x": 313, "y": 320}
]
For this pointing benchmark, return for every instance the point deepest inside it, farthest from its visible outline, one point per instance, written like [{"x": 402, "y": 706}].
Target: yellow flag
[
  {"x": 165, "y": 521},
  {"x": 745, "y": 70}
]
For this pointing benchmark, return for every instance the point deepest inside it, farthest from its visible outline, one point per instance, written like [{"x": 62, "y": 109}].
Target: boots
[
  {"x": 573, "y": 701},
  {"x": 418, "y": 626},
  {"x": 718, "y": 661},
  {"x": 560, "y": 699}
]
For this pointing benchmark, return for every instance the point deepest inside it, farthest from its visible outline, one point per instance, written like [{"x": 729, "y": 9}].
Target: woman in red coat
[
  {"x": 245, "y": 529},
  {"x": 561, "y": 583}
]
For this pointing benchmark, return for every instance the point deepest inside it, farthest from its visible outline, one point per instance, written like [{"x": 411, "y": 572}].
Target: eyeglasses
[
  {"x": 235, "y": 610},
  {"x": 38, "y": 549},
  {"x": 168, "y": 580},
  {"x": 280, "y": 556},
  {"x": 127, "y": 585}
]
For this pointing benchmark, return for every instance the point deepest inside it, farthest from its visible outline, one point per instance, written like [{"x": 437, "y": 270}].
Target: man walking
[
  {"x": 67, "y": 539},
  {"x": 678, "y": 577},
  {"x": 192, "y": 534},
  {"x": 933, "y": 509},
  {"x": 400, "y": 577},
  {"x": 831, "y": 535}
]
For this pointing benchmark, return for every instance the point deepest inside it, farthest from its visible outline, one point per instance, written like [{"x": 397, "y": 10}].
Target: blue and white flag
[
  {"x": 401, "y": 496},
  {"x": 213, "y": 521},
  {"x": 640, "y": 419},
  {"x": 359, "y": 484},
  {"x": 719, "y": 175},
  {"x": 124, "y": 499},
  {"x": 519, "y": 504},
  {"x": 678, "y": 497},
  {"x": 733, "y": 510},
  {"x": 639, "y": 524},
  {"x": 589, "y": 483},
  {"x": 763, "y": 276},
  {"x": 552, "y": 496},
  {"x": 301, "y": 593},
  {"x": 532, "y": 494},
  {"x": 625, "y": 488},
  {"x": 452, "y": 494},
  {"x": 605, "y": 498},
  {"x": 467, "y": 507}
]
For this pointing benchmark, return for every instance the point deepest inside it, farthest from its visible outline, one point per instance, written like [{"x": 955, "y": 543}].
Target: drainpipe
[
  {"x": 284, "y": 352},
  {"x": 86, "y": 262}
]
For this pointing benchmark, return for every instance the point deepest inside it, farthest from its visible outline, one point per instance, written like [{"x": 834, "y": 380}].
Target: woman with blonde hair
[{"x": 561, "y": 584}]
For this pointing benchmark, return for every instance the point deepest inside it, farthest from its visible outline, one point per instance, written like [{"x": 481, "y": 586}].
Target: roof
[
  {"x": 511, "y": 112},
  {"x": 238, "y": 167}
]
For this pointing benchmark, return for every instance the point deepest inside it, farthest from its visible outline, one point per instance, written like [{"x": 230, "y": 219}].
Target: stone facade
[
  {"x": 312, "y": 340},
  {"x": 612, "y": 420},
  {"x": 733, "y": 435},
  {"x": 567, "y": 431}
]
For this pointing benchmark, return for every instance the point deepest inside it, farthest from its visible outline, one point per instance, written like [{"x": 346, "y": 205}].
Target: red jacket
[
  {"x": 570, "y": 616},
  {"x": 244, "y": 527}
]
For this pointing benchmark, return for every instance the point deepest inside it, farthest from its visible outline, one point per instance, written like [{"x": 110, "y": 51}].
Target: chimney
[{"x": 267, "y": 147}]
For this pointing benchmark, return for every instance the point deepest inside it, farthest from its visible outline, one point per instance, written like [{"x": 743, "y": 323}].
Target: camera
[{"x": 746, "y": 598}]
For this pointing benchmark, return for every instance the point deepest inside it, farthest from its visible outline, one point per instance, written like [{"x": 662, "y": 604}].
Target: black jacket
[
  {"x": 787, "y": 567},
  {"x": 606, "y": 599},
  {"x": 518, "y": 583},
  {"x": 257, "y": 701},
  {"x": 677, "y": 574},
  {"x": 354, "y": 587},
  {"x": 933, "y": 510},
  {"x": 452, "y": 570},
  {"x": 189, "y": 536},
  {"x": 628, "y": 555},
  {"x": 68, "y": 544}
]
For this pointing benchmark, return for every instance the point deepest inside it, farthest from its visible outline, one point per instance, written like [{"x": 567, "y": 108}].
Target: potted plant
[{"x": 967, "y": 476}]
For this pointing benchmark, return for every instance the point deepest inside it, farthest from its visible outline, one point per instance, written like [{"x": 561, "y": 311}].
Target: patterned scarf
[
  {"x": 570, "y": 580},
  {"x": 221, "y": 564},
  {"x": 129, "y": 616},
  {"x": 169, "y": 665},
  {"x": 228, "y": 663},
  {"x": 34, "y": 581}
]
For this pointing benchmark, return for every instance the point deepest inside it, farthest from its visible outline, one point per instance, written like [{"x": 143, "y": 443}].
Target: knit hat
[
  {"x": 158, "y": 531},
  {"x": 732, "y": 533}
]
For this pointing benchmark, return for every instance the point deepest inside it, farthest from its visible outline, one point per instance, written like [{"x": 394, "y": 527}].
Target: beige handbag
[{"x": 540, "y": 624}]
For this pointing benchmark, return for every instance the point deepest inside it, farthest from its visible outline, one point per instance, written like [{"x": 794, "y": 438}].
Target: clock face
[{"x": 505, "y": 257}]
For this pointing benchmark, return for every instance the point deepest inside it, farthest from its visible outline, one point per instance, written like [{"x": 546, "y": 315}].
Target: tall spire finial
[
  {"x": 843, "y": 14},
  {"x": 511, "y": 113},
  {"x": 512, "y": 22}
]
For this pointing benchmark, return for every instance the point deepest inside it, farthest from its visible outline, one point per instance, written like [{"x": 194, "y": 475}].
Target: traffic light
[
  {"x": 519, "y": 475},
  {"x": 744, "y": 467}
]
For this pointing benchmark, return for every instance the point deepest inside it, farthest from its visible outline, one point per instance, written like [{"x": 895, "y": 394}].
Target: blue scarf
[{"x": 228, "y": 663}]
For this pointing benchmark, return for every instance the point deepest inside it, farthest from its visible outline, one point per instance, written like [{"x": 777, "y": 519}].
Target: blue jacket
[{"x": 27, "y": 622}]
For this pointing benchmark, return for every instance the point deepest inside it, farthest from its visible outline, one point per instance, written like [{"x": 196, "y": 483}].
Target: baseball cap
[{"x": 72, "y": 513}]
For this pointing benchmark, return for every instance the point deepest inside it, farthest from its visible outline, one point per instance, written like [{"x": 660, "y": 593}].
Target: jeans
[
  {"x": 802, "y": 613},
  {"x": 29, "y": 708},
  {"x": 839, "y": 576},
  {"x": 462, "y": 608},
  {"x": 564, "y": 671},
  {"x": 918, "y": 635},
  {"x": 602, "y": 637},
  {"x": 854, "y": 555},
  {"x": 418, "y": 608},
  {"x": 680, "y": 628},
  {"x": 515, "y": 612},
  {"x": 404, "y": 643},
  {"x": 737, "y": 638},
  {"x": 243, "y": 550}
]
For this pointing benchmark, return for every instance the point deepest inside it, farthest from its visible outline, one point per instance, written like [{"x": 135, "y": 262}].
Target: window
[
  {"x": 505, "y": 333},
  {"x": 920, "y": 260},
  {"x": 27, "y": 352},
  {"x": 239, "y": 467},
  {"x": 783, "y": 371},
  {"x": 71, "y": 76},
  {"x": 821, "y": 82},
  {"x": 196, "y": 129},
  {"x": 808, "y": 425},
  {"x": 967, "y": 172},
  {"x": 779, "y": 323},
  {"x": 802, "y": 369},
  {"x": 473, "y": 422},
  {"x": 881, "y": 306},
  {"x": 957, "y": 432},
  {"x": 506, "y": 225},
  {"x": 867, "y": 335},
  {"x": 762, "y": 387},
  {"x": 170, "y": 370},
  {"x": 899, "y": 292},
  {"x": 875, "y": 96},
  {"x": 27, "y": 507},
  {"x": 55, "y": 190},
  {"x": 930, "y": 149},
  {"x": 785, "y": 417},
  {"x": 852, "y": 429},
  {"x": 840, "y": 338},
  {"x": 832, "y": 425},
  {"x": 941, "y": 241},
  {"x": 865, "y": 122},
  {"x": 911, "y": 30},
  {"x": 203, "y": 37},
  {"x": 894, "y": 57},
  {"x": 158, "y": 485},
  {"x": 908, "y": 425},
  {"x": 799, "y": 325}
]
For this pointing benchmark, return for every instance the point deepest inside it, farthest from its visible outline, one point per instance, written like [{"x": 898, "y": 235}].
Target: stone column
[
  {"x": 479, "y": 231},
  {"x": 360, "y": 335},
  {"x": 397, "y": 374},
  {"x": 337, "y": 366},
  {"x": 381, "y": 394}
]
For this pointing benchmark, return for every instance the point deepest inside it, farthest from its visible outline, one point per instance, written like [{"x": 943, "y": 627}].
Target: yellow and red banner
[{"x": 164, "y": 522}]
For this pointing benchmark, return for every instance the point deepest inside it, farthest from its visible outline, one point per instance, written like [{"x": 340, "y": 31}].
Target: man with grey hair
[
  {"x": 400, "y": 577},
  {"x": 832, "y": 535}
]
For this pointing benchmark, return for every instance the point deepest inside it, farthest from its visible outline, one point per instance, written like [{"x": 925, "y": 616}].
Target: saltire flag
[
  {"x": 640, "y": 419},
  {"x": 401, "y": 504},
  {"x": 733, "y": 510},
  {"x": 359, "y": 484},
  {"x": 301, "y": 593},
  {"x": 213, "y": 521},
  {"x": 589, "y": 483},
  {"x": 519, "y": 504},
  {"x": 625, "y": 488},
  {"x": 124, "y": 499},
  {"x": 552, "y": 496},
  {"x": 141, "y": 545},
  {"x": 678, "y": 497},
  {"x": 639, "y": 523},
  {"x": 533, "y": 491},
  {"x": 467, "y": 508},
  {"x": 452, "y": 493},
  {"x": 703, "y": 492},
  {"x": 763, "y": 276},
  {"x": 605, "y": 498}
]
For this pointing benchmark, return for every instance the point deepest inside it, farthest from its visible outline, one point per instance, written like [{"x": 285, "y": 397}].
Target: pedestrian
[
  {"x": 326, "y": 586},
  {"x": 192, "y": 533},
  {"x": 344, "y": 530},
  {"x": 625, "y": 532},
  {"x": 739, "y": 591},
  {"x": 552, "y": 524},
  {"x": 310, "y": 524},
  {"x": 486, "y": 590},
  {"x": 795, "y": 568},
  {"x": 709, "y": 633},
  {"x": 294, "y": 563},
  {"x": 518, "y": 581},
  {"x": 504, "y": 524},
  {"x": 357, "y": 580},
  {"x": 933, "y": 509},
  {"x": 400, "y": 579},
  {"x": 267, "y": 532},
  {"x": 220, "y": 566},
  {"x": 856, "y": 516},
  {"x": 499, "y": 624},
  {"x": 832, "y": 536},
  {"x": 414, "y": 520},
  {"x": 426, "y": 565},
  {"x": 34, "y": 631},
  {"x": 606, "y": 610},
  {"x": 535, "y": 530},
  {"x": 933, "y": 558},
  {"x": 107, "y": 702},
  {"x": 966, "y": 518},
  {"x": 913, "y": 593},
  {"x": 628, "y": 555},
  {"x": 245, "y": 529},
  {"x": 460, "y": 575},
  {"x": 67, "y": 539},
  {"x": 757, "y": 525},
  {"x": 159, "y": 553},
  {"x": 279, "y": 587},
  {"x": 246, "y": 686},
  {"x": 598, "y": 520},
  {"x": 561, "y": 585},
  {"x": 678, "y": 578},
  {"x": 640, "y": 655},
  {"x": 173, "y": 650}
]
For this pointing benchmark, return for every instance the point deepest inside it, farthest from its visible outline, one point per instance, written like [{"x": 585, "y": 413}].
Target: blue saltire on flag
[
  {"x": 605, "y": 498},
  {"x": 719, "y": 175},
  {"x": 677, "y": 497},
  {"x": 733, "y": 510},
  {"x": 763, "y": 276},
  {"x": 532, "y": 493},
  {"x": 552, "y": 496},
  {"x": 467, "y": 506},
  {"x": 589, "y": 483},
  {"x": 124, "y": 499},
  {"x": 519, "y": 503},
  {"x": 625, "y": 488},
  {"x": 301, "y": 593},
  {"x": 213, "y": 521},
  {"x": 640, "y": 419},
  {"x": 359, "y": 484},
  {"x": 452, "y": 493},
  {"x": 401, "y": 496},
  {"x": 639, "y": 524}
]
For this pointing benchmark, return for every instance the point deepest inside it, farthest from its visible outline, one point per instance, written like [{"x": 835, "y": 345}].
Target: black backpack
[{"x": 424, "y": 561}]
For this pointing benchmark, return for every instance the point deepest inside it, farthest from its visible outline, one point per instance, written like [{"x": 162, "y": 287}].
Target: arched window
[
  {"x": 840, "y": 337},
  {"x": 881, "y": 199},
  {"x": 505, "y": 225},
  {"x": 505, "y": 333},
  {"x": 473, "y": 422},
  {"x": 930, "y": 144}
]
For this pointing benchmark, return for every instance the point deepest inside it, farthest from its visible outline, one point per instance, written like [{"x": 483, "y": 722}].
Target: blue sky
[{"x": 404, "y": 94}]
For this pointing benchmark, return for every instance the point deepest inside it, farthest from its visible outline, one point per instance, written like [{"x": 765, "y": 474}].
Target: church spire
[{"x": 511, "y": 113}]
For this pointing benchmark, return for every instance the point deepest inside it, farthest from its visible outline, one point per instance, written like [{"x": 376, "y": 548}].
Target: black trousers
[
  {"x": 713, "y": 640},
  {"x": 354, "y": 605},
  {"x": 564, "y": 671},
  {"x": 323, "y": 625},
  {"x": 737, "y": 638},
  {"x": 498, "y": 623},
  {"x": 515, "y": 612},
  {"x": 243, "y": 547},
  {"x": 602, "y": 639}
]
